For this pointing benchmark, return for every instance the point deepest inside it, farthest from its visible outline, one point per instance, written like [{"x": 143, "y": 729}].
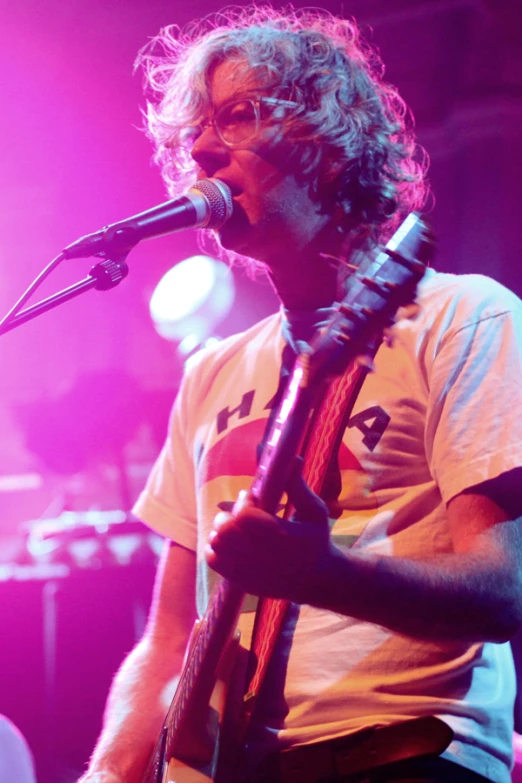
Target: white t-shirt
[{"x": 441, "y": 413}]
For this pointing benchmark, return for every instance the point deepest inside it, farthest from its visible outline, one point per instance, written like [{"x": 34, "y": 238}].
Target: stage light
[{"x": 191, "y": 299}]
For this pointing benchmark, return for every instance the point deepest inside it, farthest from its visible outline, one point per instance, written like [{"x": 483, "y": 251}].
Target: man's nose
[{"x": 208, "y": 151}]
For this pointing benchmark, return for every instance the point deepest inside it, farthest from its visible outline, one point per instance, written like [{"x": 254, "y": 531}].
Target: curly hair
[{"x": 352, "y": 134}]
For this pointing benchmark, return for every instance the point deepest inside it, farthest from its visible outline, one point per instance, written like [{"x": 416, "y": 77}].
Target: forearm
[
  {"x": 458, "y": 597},
  {"x": 135, "y": 710},
  {"x": 471, "y": 594}
]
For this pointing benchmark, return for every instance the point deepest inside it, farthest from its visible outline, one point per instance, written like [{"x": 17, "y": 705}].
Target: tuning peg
[
  {"x": 343, "y": 337},
  {"x": 381, "y": 287},
  {"x": 350, "y": 312},
  {"x": 411, "y": 264}
]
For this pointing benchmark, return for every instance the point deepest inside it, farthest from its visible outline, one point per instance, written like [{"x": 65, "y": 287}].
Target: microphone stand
[{"x": 103, "y": 276}]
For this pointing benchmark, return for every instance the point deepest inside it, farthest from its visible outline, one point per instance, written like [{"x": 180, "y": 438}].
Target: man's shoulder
[
  {"x": 249, "y": 340},
  {"x": 466, "y": 298}
]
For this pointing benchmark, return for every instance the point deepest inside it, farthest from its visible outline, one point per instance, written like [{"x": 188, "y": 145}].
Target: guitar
[{"x": 187, "y": 749}]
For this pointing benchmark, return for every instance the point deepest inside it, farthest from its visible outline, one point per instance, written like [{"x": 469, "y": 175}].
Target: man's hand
[
  {"x": 470, "y": 594},
  {"x": 268, "y": 556}
]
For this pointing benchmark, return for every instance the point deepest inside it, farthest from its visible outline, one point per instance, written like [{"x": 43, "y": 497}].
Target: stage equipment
[
  {"x": 70, "y": 611},
  {"x": 208, "y": 204}
]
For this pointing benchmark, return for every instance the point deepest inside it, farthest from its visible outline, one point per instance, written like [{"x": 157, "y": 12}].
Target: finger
[
  {"x": 245, "y": 501},
  {"x": 308, "y": 506},
  {"x": 222, "y": 531},
  {"x": 222, "y": 519},
  {"x": 214, "y": 560}
]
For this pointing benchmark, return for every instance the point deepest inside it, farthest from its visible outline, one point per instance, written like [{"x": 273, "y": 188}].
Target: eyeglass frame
[{"x": 256, "y": 102}]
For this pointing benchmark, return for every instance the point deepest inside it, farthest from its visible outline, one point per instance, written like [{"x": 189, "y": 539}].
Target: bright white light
[
  {"x": 191, "y": 299},
  {"x": 182, "y": 289}
]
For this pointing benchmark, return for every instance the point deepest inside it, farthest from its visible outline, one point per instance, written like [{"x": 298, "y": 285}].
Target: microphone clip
[{"x": 109, "y": 272}]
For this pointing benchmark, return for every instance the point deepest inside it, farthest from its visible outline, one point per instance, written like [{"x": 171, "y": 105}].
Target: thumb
[{"x": 308, "y": 506}]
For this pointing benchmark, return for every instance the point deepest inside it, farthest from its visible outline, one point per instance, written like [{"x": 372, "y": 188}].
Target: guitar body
[
  {"x": 192, "y": 756},
  {"x": 177, "y": 771}
]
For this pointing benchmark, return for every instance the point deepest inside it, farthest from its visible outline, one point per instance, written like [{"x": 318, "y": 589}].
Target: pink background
[{"x": 88, "y": 386}]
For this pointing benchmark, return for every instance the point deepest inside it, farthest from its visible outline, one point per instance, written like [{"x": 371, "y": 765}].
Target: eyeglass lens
[{"x": 237, "y": 122}]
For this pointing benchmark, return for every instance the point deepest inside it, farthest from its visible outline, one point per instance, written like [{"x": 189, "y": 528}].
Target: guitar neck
[
  {"x": 212, "y": 635},
  {"x": 371, "y": 302}
]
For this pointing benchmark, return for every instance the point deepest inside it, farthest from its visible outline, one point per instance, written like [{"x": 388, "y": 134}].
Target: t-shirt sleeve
[
  {"x": 474, "y": 417},
  {"x": 168, "y": 502}
]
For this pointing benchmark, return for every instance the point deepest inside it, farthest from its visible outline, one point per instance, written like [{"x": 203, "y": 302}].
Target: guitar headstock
[{"x": 374, "y": 297}]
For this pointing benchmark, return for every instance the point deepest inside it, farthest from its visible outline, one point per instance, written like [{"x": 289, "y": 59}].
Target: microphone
[{"x": 207, "y": 204}]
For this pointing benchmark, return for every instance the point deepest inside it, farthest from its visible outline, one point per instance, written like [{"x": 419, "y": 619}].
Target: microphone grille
[{"x": 219, "y": 199}]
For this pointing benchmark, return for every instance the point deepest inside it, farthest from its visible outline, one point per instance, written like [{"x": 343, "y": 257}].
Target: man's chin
[
  {"x": 236, "y": 235},
  {"x": 239, "y": 236}
]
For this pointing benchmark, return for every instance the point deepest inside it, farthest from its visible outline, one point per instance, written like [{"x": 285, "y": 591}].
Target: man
[{"x": 290, "y": 111}]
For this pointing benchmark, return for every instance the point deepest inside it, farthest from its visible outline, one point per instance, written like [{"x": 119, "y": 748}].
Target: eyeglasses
[{"x": 238, "y": 122}]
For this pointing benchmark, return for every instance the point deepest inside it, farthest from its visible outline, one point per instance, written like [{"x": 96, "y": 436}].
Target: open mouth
[{"x": 234, "y": 189}]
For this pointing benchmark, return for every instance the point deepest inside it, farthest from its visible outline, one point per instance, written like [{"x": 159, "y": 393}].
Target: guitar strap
[{"x": 321, "y": 447}]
